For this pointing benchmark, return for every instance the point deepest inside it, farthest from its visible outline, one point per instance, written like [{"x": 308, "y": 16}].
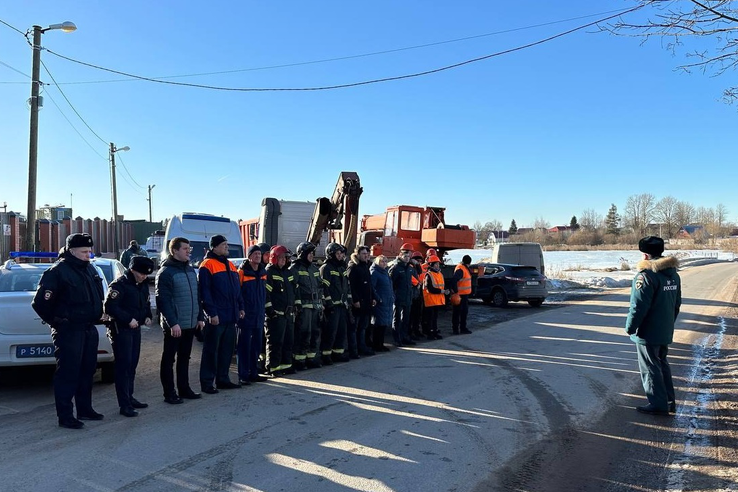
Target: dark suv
[{"x": 498, "y": 283}]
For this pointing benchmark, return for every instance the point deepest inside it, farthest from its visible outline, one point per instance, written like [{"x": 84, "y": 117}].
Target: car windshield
[
  {"x": 107, "y": 269},
  {"x": 18, "y": 280},
  {"x": 200, "y": 248}
]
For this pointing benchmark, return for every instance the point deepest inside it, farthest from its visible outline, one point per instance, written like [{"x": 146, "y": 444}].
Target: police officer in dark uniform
[
  {"x": 70, "y": 299},
  {"x": 128, "y": 306}
]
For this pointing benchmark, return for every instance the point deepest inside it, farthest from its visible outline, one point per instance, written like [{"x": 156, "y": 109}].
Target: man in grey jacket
[{"x": 178, "y": 302}]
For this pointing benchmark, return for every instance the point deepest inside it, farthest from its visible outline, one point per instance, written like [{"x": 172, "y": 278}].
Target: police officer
[
  {"x": 128, "y": 307},
  {"x": 655, "y": 299},
  {"x": 70, "y": 299}
]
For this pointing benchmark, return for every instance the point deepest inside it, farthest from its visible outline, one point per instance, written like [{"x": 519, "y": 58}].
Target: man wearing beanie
[
  {"x": 462, "y": 285},
  {"x": 655, "y": 299},
  {"x": 252, "y": 276},
  {"x": 220, "y": 291},
  {"x": 128, "y": 306},
  {"x": 70, "y": 300}
]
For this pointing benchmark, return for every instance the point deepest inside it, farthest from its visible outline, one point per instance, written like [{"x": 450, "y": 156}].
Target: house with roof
[{"x": 692, "y": 231}]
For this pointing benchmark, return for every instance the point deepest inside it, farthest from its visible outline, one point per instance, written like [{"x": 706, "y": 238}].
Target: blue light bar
[{"x": 34, "y": 254}]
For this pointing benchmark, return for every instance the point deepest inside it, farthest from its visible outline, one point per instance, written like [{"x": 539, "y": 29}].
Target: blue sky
[{"x": 577, "y": 123}]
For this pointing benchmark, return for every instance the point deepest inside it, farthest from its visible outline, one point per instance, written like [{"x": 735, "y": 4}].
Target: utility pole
[
  {"x": 114, "y": 197},
  {"x": 33, "y": 145},
  {"x": 151, "y": 187}
]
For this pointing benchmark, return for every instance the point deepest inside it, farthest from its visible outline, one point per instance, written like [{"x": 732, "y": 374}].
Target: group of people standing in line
[{"x": 279, "y": 313}]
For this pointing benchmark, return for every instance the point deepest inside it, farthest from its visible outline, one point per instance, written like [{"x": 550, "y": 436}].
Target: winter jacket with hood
[
  {"x": 177, "y": 296},
  {"x": 360, "y": 280},
  {"x": 655, "y": 299},
  {"x": 382, "y": 285}
]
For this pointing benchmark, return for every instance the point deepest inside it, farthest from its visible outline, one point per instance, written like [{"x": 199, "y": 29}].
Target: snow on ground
[{"x": 567, "y": 270}]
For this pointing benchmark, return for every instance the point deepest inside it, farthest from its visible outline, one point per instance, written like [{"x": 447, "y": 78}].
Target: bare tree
[
  {"x": 685, "y": 214},
  {"x": 665, "y": 213},
  {"x": 721, "y": 215},
  {"x": 590, "y": 220},
  {"x": 639, "y": 211},
  {"x": 675, "y": 21}
]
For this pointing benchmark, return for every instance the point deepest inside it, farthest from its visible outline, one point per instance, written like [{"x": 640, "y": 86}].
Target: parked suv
[
  {"x": 24, "y": 339},
  {"x": 498, "y": 283}
]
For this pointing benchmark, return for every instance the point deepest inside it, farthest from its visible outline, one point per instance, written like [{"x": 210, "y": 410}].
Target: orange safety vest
[
  {"x": 430, "y": 299},
  {"x": 463, "y": 286}
]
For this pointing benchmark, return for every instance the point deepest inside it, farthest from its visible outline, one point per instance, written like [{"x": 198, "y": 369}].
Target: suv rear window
[{"x": 524, "y": 271}]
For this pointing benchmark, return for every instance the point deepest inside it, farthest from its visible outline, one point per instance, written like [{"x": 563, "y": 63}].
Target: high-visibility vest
[
  {"x": 430, "y": 299},
  {"x": 463, "y": 286}
]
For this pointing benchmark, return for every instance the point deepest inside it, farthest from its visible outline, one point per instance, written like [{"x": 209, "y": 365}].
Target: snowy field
[{"x": 577, "y": 269}]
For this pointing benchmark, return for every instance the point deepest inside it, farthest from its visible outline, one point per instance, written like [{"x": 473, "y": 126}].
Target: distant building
[
  {"x": 56, "y": 212},
  {"x": 692, "y": 231}
]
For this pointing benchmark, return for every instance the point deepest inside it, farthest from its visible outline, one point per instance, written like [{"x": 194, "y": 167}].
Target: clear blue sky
[{"x": 577, "y": 123}]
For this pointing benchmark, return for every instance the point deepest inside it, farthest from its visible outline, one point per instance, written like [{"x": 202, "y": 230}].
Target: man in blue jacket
[
  {"x": 655, "y": 299},
  {"x": 253, "y": 278},
  {"x": 220, "y": 291}
]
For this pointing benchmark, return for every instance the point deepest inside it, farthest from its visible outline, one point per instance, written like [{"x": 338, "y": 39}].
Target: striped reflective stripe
[
  {"x": 268, "y": 304},
  {"x": 298, "y": 302},
  {"x": 311, "y": 355},
  {"x": 337, "y": 274},
  {"x": 300, "y": 357},
  {"x": 326, "y": 282},
  {"x": 337, "y": 351},
  {"x": 269, "y": 287},
  {"x": 326, "y": 352},
  {"x": 303, "y": 272},
  {"x": 277, "y": 277},
  {"x": 463, "y": 286}
]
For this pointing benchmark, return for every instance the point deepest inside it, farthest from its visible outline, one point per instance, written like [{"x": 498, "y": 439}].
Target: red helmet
[
  {"x": 434, "y": 259},
  {"x": 417, "y": 254},
  {"x": 406, "y": 247},
  {"x": 430, "y": 252},
  {"x": 455, "y": 299},
  {"x": 276, "y": 252}
]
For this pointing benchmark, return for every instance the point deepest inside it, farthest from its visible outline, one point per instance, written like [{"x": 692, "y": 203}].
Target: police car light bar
[{"x": 33, "y": 254}]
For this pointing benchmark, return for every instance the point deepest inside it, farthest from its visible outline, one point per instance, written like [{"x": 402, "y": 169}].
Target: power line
[
  {"x": 75, "y": 128},
  {"x": 352, "y": 84},
  {"x": 71, "y": 105},
  {"x": 128, "y": 172},
  {"x": 361, "y": 55},
  {"x": 15, "y": 70},
  {"x": 12, "y": 27}
]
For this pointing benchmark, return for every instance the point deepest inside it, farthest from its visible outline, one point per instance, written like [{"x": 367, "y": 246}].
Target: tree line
[{"x": 642, "y": 215}]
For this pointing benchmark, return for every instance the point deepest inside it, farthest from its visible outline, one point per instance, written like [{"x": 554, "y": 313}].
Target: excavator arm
[{"x": 340, "y": 213}]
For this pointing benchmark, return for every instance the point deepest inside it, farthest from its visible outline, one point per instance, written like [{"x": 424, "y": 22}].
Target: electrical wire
[
  {"x": 71, "y": 105},
  {"x": 351, "y": 57},
  {"x": 128, "y": 172},
  {"x": 75, "y": 128},
  {"x": 129, "y": 183},
  {"x": 12, "y": 27},
  {"x": 15, "y": 70},
  {"x": 351, "y": 84}
]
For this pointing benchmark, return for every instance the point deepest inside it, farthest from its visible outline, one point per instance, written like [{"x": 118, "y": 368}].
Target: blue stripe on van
[{"x": 205, "y": 217}]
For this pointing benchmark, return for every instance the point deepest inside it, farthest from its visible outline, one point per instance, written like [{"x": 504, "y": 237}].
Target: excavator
[
  {"x": 423, "y": 227},
  {"x": 338, "y": 214}
]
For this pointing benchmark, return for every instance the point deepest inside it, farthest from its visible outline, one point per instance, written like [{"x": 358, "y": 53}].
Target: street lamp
[
  {"x": 151, "y": 187},
  {"x": 33, "y": 145},
  {"x": 114, "y": 195}
]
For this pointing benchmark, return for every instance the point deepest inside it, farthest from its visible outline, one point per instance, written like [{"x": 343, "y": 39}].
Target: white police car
[{"x": 24, "y": 339}]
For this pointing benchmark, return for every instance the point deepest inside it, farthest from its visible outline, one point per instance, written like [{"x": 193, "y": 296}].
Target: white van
[
  {"x": 198, "y": 229},
  {"x": 286, "y": 222},
  {"x": 528, "y": 254}
]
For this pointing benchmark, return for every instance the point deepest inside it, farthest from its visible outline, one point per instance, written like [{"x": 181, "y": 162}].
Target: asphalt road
[{"x": 542, "y": 401}]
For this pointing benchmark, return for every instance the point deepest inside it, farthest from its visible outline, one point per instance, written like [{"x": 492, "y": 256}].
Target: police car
[{"x": 24, "y": 339}]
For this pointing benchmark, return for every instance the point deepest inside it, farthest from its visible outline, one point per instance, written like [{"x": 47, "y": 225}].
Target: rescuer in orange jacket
[
  {"x": 463, "y": 287},
  {"x": 434, "y": 295}
]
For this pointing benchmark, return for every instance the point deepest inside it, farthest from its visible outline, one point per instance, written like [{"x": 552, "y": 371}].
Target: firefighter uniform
[
  {"x": 336, "y": 299},
  {"x": 127, "y": 304},
  {"x": 280, "y": 302},
  {"x": 70, "y": 299},
  {"x": 309, "y": 303}
]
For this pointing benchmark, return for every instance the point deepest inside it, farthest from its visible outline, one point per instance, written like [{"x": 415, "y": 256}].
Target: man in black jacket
[
  {"x": 362, "y": 297},
  {"x": 127, "y": 304},
  {"x": 178, "y": 302},
  {"x": 401, "y": 273},
  {"x": 70, "y": 300}
]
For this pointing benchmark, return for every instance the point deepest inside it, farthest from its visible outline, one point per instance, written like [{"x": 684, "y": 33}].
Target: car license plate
[
  {"x": 532, "y": 282},
  {"x": 39, "y": 350}
]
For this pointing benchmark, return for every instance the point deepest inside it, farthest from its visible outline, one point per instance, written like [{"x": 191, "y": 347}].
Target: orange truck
[{"x": 423, "y": 227}]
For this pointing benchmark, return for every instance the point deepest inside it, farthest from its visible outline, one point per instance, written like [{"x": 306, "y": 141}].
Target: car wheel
[
  {"x": 107, "y": 372},
  {"x": 536, "y": 302},
  {"x": 499, "y": 298}
]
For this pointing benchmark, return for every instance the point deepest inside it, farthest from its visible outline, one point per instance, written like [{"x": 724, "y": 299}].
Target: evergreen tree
[
  {"x": 513, "y": 228},
  {"x": 612, "y": 221},
  {"x": 573, "y": 224}
]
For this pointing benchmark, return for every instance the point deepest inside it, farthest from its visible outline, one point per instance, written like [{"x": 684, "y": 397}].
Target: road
[{"x": 542, "y": 401}]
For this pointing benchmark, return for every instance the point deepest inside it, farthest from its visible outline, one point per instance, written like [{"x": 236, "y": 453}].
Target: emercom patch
[{"x": 639, "y": 282}]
